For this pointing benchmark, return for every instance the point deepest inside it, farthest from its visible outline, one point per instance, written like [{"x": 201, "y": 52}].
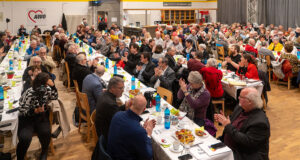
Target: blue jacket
[
  {"x": 127, "y": 139},
  {"x": 93, "y": 88}
]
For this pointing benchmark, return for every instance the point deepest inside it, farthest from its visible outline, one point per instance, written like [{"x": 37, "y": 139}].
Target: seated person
[
  {"x": 127, "y": 139},
  {"x": 195, "y": 97},
  {"x": 32, "y": 50},
  {"x": 288, "y": 55},
  {"x": 246, "y": 67},
  {"x": 195, "y": 64},
  {"x": 35, "y": 70},
  {"x": 93, "y": 86},
  {"x": 250, "y": 47},
  {"x": 47, "y": 61},
  {"x": 171, "y": 61},
  {"x": 275, "y": 45},
  {"x": 164, "y": 75},
  {"x": 188, "y": 48},
  {"x": 265, "y": 52},
  {"x": 107, "y": 106},
  {"x": 247, "y": 131},
  {"x": 145, "y": 69},
  {"x": 202, "y": 48},
  {"x": 158, "y": 53},
  {"x": 22, "y": 31},
  {"x": 34, "y": 115},
  {"x": 177, "y": 45},
  {"x": 81, "y": 70},
  {"x": 132, "y": 59},
  {"x": 235, "y": 57},
  {"x": 213, "y": 77},
  {"x": 122, "y": 49}
]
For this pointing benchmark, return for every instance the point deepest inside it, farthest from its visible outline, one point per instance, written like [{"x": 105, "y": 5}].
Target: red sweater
[
  {"x": 251, "y": 49},
  {"x": 251, "y": 73},
  {"x": 213, "y": 77}
]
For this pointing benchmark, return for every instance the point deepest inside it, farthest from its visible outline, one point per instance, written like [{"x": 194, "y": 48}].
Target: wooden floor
[{"x": 282, "y": 111}]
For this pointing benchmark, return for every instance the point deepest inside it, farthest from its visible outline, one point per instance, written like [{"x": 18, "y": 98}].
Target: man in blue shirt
[
  {"x": 32, "y": 50},
  {"x": 127, "y": 139},
  {"x": 93, "y": 85}
]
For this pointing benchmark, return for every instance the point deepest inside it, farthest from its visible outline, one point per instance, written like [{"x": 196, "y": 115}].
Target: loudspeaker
[{"x": 7, "y": 20}]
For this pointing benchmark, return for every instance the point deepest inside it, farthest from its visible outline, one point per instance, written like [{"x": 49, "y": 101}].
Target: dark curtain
[
  {"x": 231, "y": 11},
  {"x": 279, "y": 12},
  {"x": 64, "y": 22}
]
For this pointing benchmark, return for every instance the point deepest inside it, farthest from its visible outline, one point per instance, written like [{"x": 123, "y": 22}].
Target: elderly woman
[
  {"x": 288, "y": 55},
  {"x": 195, "y": 97},
  {"x": 213, "y": 77},
  {"x": 34, "y": 114},
  {"x": 275, "y": 45}
]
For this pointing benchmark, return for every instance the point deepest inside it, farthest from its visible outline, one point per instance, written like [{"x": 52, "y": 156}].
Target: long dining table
[{"x": 200, "y": 149}]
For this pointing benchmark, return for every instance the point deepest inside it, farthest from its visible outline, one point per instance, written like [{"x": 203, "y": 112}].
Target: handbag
[
  {"x": 277, "y": 68},
  {"x": 262, "y": 64}
]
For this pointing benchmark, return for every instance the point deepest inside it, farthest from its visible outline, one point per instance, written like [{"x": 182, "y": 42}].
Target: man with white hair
[
  {"x": 158, "y": 40},
  {"x": 47, "y": 61},
  {"x": 81, "y": 69},
  {"x": 32, "y": 50},
  {"x": 247, "y": 131},
  {"x": 177, "y": 45}
]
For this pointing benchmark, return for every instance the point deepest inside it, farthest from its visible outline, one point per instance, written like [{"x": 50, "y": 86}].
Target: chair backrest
[
  {"x": 76, "y": 86},
  {"x": 93, "y": 119},
  {"x": 103, "y": 155},
  {"x": 268, "y": 59},
  {"x": 84, "y": 105},
  {"x": 221, "y": 52},
  {"x": 165, "y": 94},
  {"x": 57, "y": 51}
]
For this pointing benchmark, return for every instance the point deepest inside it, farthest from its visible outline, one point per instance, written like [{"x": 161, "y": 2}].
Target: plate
[
  {"x": 176, "y": 151},
  {"x": 164, "y": 141}
]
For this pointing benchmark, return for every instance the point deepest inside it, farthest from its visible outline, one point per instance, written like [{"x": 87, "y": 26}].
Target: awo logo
[{"x": 36, "y": 16}]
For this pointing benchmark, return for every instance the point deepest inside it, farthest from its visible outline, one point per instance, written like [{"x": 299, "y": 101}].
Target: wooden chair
[
  {"x": 68, "y": 75},
  {"x": 165, "y": 94},
  {"x": 268, "y": 59},
  {"x": 48, "y": 39},
  {"x": 264, "y": 101},
  {"x": 219, "y": 101},
  {"x": 93, "y": 119},
  {"x": 221, "y": 53},
  {"x": 288, "y": 83},
  {"x": 57, "y": 53},
  {"x": 84, "y": 106}
]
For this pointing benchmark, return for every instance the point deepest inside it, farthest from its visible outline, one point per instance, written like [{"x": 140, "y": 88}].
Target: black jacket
[
  {"x": 147, "y": 73},
  {"x": 172, "y": 63},
  {"x": 253, "y": 137},
  {"x": 166, "y": 80},
  {"x": 105, "y": 110},
  {"x": 133, "y": 60},
  {"x": 145, "y": 48},
  {"x": 79, "y": 73}
]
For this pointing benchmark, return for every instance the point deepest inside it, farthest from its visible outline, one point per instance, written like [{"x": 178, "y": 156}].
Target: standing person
[
  {"x": 247, "y": 131},
  {"x": 102, "y": 25},
  {"x": 34, "y": 115},
  {"x": 127, "y": 138}
]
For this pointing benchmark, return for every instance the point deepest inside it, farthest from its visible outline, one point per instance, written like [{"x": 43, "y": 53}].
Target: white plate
[
  {"x": 205, "y": 136},
  {"x": 164, "y": 143},
  {"x": 176, "y": 151}
]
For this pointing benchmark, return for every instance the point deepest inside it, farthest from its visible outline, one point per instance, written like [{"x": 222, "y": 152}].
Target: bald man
[
  {"x": 247, "y": 131},
  {"x": 127, "y": 139},
  {"x": 93, "y": 86}
]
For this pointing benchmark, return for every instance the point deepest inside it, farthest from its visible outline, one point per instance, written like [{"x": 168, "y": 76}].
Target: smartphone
[
  {"x": 185, "y": 157},
  {"x": 218, "y": 145}
]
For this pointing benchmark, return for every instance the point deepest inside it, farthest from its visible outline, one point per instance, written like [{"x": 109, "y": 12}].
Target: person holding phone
[{"x": 34, "y": 115}]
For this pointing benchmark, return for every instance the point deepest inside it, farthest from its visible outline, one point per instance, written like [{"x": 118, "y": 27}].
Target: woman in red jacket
[
  {"x": 213, "y": 77},
  {"x": 247, "y": 67}
]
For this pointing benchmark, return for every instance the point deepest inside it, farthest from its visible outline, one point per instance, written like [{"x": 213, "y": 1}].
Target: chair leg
[
  {"x": 223, "y": 107},
  {"x": 69, "y": 84},
  {"x": 52, "y": 147},
  {"x": 88, "y": 133},
  {"x": 289, "y": 83},
  {"x": 79, "y": 124},
  {"x": 269, "y": 76}
]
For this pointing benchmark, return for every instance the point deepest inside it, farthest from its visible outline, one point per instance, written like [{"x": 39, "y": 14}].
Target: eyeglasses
[{"x": 243, "y": 97}]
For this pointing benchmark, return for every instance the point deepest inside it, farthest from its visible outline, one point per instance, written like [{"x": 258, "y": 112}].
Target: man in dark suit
[
  {"x": 145, "y": 69},
  {"x": 247, "y": 132},
  {"x": 132, "y": 59},
  {"x": 81, "y": 70},
  {"x": 93, "y": 86},
  {"x": 171, "y": 61},
  {"x": 107, "y": 105},
  {"x": 164, "y": 75}
]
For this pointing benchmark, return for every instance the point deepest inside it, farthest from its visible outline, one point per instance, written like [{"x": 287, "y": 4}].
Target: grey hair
[
  {"x": 114, "y": 81},
  {"x": 43, "y": 48},
  {"x": 164, "y": 60},
  {"x": 33, "y": 41},
  {"x": 255, "y": 98},
  {"x": 202, "y": 46},
  {"x": 212, "y": 62},
  {"x": 80, "y": 57},
  {"x": 276, "y": 38},
  {"x": 195, "y": 77}
]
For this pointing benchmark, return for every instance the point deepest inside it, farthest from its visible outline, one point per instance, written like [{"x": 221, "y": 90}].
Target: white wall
[
  {"x": 155, "y": 15},
  {"x": 16, "y": 11}
]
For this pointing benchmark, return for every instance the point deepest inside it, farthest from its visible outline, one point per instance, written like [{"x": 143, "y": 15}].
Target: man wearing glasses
[{"x": 247, "y": 131}]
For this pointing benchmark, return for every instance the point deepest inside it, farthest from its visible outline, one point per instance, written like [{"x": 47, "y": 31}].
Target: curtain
[
  {"x": 279, "y": 12},
  {"x": 231, "y": 11}
]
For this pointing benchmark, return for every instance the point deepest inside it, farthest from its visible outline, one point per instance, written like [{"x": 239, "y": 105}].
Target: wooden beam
[{"x": 171, "y": 9}]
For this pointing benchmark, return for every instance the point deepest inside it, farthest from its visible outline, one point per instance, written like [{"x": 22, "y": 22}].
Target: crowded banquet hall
[{"x": 149, "y": 79}]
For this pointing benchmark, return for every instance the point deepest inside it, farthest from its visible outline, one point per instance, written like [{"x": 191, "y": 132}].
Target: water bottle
[
  {"x": 132, "y": 83},
  {"x": 157, "y": 102},
  {"x": 167, "y": 118},
  {"x": 11, "y": 64},
  {"x": 115, "y": 69},
  {"x": 1, "y": 93},
  {"x": 298, "y": 55},
  {"x": 219, "y": 66},
  {"x": 188, "y": 57},
  {"x": 106, "y": 63},
  {"x": 90, "y": 50}
]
